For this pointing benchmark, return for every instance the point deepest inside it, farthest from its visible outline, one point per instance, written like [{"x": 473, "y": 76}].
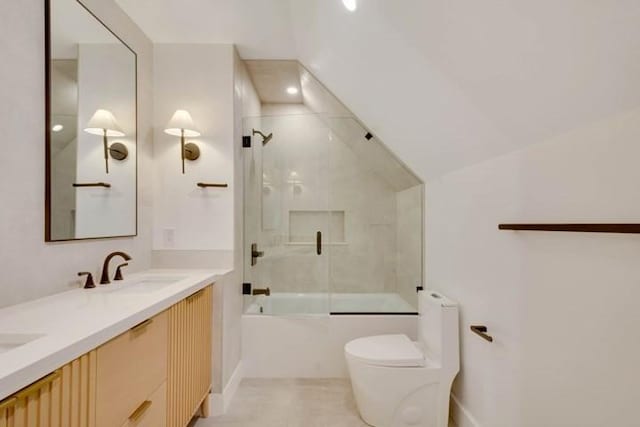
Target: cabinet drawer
[
  {"x": 130, "y": 368},
  {"x": 151, "y": 412}
]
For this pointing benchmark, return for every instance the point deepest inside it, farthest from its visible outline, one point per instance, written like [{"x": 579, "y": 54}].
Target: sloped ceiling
[
  {"x": 272, "y": 78},
  {"x": 444, "y": 83}
]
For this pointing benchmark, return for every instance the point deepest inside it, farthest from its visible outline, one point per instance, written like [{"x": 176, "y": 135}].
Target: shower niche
[
  {"x": 304, "y": 226},
  {"x": 337, "y": 215}
]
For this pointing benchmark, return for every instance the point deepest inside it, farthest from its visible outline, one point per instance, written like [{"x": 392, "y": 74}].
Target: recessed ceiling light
[
  {"x": 292, "y": 90},
  {"x": 351, "y": 5},
  {"x": 57, "y": 128}
]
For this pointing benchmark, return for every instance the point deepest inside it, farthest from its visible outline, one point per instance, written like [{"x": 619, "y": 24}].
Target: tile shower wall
[
  {"x": 311, "y": 178},
  {"x": 367, "y": 263},
  {"x": 409, "y": 240},
  {"x": 284, "y": 176}
]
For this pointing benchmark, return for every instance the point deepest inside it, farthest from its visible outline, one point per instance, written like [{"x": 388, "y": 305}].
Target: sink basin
[
  {"x": 11, "y": 341},
  {"x": 146, "y": 285}
]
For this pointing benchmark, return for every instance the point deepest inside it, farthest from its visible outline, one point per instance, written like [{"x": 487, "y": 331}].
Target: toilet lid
[{"x": 386, "y": 350}]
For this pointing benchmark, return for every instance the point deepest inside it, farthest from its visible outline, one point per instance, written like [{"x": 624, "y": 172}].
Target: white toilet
[{"x": 398, "y": 382}]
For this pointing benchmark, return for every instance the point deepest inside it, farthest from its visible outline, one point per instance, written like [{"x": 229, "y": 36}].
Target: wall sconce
[
  {"x": 181, "y": 124},
  {"x": 104, "y": 124}
]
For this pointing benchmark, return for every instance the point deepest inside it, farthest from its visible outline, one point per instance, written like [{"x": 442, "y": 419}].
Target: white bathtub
[
  {"x": 280, "y": 304},
  {"x": 296, "y": 337}
]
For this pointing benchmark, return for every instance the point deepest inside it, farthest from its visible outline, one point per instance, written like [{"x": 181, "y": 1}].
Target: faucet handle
[
  {"x": 118, "y": 275},
  {"x": 89, "y": 283}
]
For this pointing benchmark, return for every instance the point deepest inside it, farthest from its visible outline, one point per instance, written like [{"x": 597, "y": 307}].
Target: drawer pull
[
  {"x": 35, "y": 387},
  {"x": 8, "y": 403},
  {"x": 141, "y": 326},
  {"x": 192, "y": 297},
  {"x": 141, "y": 410}
]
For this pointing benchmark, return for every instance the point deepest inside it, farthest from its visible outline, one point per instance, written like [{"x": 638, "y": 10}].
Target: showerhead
[{"x": 265, "y": 138}]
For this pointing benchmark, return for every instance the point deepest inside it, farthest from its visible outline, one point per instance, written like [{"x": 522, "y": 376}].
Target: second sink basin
[{"x": 10, "y": 341}]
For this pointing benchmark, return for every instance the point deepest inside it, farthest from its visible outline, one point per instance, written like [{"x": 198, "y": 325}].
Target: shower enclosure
[{"x": 333, "y": 221}]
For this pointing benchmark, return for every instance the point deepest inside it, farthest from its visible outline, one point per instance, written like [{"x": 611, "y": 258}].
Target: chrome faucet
[{"x": 104, "y": 279}]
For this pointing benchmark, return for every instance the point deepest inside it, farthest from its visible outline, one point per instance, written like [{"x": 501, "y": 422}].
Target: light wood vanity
[{"x": 157, "y": 374}]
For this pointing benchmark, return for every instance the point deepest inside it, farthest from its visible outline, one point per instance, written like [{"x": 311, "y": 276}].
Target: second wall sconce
[
  {"x": 103, "y": 123},
  {"x": 181, "y": 124}
]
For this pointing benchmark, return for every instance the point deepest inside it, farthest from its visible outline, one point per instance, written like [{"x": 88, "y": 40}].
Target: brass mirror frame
[{"x": 47, "y": 120}]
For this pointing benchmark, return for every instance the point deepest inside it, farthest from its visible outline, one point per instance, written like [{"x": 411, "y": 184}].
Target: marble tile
[{"x": 290, "y": 403}]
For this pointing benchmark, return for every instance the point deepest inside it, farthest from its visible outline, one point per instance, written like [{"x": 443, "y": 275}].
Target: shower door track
[{"x": 372, "y": 313}]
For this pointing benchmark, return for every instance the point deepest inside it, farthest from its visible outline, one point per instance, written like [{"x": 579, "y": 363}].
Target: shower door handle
[
  {"x": 255, "y": 254},
  {"x": 319, "y": 243}
]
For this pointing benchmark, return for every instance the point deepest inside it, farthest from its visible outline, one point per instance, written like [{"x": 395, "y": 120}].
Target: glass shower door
[
  {"x": 286, "y": 216},
  {"x": 375, "y": 243}
]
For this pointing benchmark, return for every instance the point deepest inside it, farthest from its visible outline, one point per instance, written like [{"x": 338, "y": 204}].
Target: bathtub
[
  {"x": 280, "y": 304},
  {"x": 295, "y": 335}
]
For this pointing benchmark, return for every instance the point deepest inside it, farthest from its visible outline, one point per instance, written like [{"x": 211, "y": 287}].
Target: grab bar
[
  {"x": 482, "y": 331},
  {"x": 92, "y": 184}
]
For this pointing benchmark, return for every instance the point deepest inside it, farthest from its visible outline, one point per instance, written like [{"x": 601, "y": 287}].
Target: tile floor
[{"x": 290, "y": 403}]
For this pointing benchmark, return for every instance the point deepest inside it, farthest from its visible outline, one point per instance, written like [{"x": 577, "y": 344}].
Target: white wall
[
  {"x": 562, "y": 307},
  {"x": 196, "y": 78},
  {"x": 30, "y": 267},
  {"x": 209, "y": 81},
  {"x": 199, "y": 79}
]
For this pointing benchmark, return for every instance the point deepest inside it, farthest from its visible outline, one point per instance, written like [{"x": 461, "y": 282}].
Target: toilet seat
[{"x": 386, "y": 350}]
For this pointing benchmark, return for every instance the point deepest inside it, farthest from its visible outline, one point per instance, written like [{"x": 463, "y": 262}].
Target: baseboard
[
  {"x": 220, "y": 401},
  {"x": 460, "y": 415}
]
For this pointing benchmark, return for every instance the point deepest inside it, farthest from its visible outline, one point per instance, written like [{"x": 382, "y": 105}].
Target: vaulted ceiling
[{"x": 444, "y": 83}]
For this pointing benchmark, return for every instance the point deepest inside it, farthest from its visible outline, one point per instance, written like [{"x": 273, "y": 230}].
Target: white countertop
[{"x": 75, "y": 322}]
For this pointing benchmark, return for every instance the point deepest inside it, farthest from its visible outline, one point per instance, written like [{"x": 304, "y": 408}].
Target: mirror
[{"x": 91, "y": 188}]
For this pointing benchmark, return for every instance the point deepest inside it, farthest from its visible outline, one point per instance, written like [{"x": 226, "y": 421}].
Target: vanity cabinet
[
  {"x": 190, "y": 349},
  {"x": 157, "y": 374},
  {"x": 65, "y": 398}
]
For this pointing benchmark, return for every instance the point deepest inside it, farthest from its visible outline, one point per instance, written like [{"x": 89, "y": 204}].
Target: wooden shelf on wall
[{"x": 578, "y": 228}]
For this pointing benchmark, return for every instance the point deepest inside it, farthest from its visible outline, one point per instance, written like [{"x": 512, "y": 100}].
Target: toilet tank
[{"x": 438, "y": 331}]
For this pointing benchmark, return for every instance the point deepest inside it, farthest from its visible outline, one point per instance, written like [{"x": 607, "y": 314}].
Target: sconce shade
[
  {"x": 103, "y": 120},
  {"x": 181, "y": 121}
]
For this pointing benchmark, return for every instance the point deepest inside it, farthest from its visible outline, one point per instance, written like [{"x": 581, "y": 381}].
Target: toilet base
[{"x": 400, "y": 397}]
